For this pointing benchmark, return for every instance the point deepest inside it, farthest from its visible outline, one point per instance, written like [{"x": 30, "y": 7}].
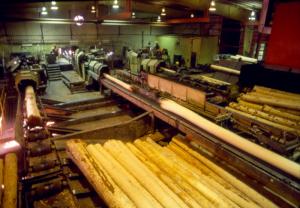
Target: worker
[
  {"x": 54, "y": 51},
  {"x": 155, "y": 50}
]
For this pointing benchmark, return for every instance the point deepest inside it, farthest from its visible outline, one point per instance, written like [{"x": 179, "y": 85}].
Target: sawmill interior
[{"x": 142, "y": 103}]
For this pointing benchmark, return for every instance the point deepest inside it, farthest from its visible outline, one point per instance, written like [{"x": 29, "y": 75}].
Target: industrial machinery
[
  {"x": 242, "y": 153},
  {"x": 165, "y": 103}
]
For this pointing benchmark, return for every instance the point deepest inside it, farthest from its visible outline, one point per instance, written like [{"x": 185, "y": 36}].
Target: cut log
[
  {"x": 279, "y": 102},
  {"x": 32, "y": 112},
  {"x": 145, "y": 177},
  {"x": 276, "y": 93},
  {"x": 123, "y": 178},
  {"x": 285, "y": 113},
  {"x": 164, "y": 161},
  {"x": 251, "y": 193},
  {"x": 264, "y": 121},
  {"x": 227, "y": 189},
  {"x": 250, "y": 105},
  {"x": 97, "y": 176},
  {"x": 231, "y": 198},
  {"x": 274, "y": 111},
  {"x": 186, "y": 194},
  {"x": 270, "y": 117},
  {"x": 10, "y": 181}
]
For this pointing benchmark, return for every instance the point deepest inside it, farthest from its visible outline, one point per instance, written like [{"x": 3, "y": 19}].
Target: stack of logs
[
  {"x": 8, "y": 181},
  {"x": 272, "y": 107},
  {"x": 145, "y": 174}
]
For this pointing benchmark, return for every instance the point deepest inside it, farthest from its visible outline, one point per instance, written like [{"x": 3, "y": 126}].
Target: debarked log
[
  {"x": 10, "y": 181},
  {"x": 97, "y": 176},
  {"x": 32, "y": 112}
]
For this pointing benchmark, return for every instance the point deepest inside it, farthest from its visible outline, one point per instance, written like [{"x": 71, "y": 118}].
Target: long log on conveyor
[
  {"x": 10, "y": 181},
  {"x": 97, "y": 176},
  {"x": 221, "y": 133},
  {"x": 153, "y": 184},
  {"x": 241, "y": 143},
  {"x": 225, "y": 69},
  {"x": 279, "y": 102},
  {"x": 251, "y": 193},
  {"x": 270, "y": 117},
  {"x": 32, "y": 112}
]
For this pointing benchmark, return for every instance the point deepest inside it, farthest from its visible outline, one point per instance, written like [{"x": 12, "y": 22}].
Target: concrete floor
[{"x": 58, "y": 91}]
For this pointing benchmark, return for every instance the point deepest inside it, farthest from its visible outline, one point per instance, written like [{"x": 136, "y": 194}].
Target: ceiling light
[
  {"x": 53, "y": 5},
  {"x": 212, "y": 7},
  {"x": 252, "y": 16},
  {"x": 192, "y": 15},
  {"x": 163, "y": 12},
  {"x": 115, "y": 5},
  {"x": 79, "y": 20},
  {"x": 93, "y": 9},
  {"x": 158, "y": 19},
  {"x": 44, "y": 11},
  {"x": 133, "y": 15}
]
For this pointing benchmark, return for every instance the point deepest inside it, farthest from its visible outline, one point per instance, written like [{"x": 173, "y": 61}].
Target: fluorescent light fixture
[
  {"x": 115, "y": 5},
  {"x": 192, "y": 15}
]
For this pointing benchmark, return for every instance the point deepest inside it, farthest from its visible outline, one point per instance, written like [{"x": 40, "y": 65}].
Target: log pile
[
  {"x": 272, "y": 107},
  {"x": 145, "y": 174}
]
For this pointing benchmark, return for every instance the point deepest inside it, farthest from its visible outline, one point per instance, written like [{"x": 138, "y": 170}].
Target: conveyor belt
[{"x": 50, "y": 178}]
